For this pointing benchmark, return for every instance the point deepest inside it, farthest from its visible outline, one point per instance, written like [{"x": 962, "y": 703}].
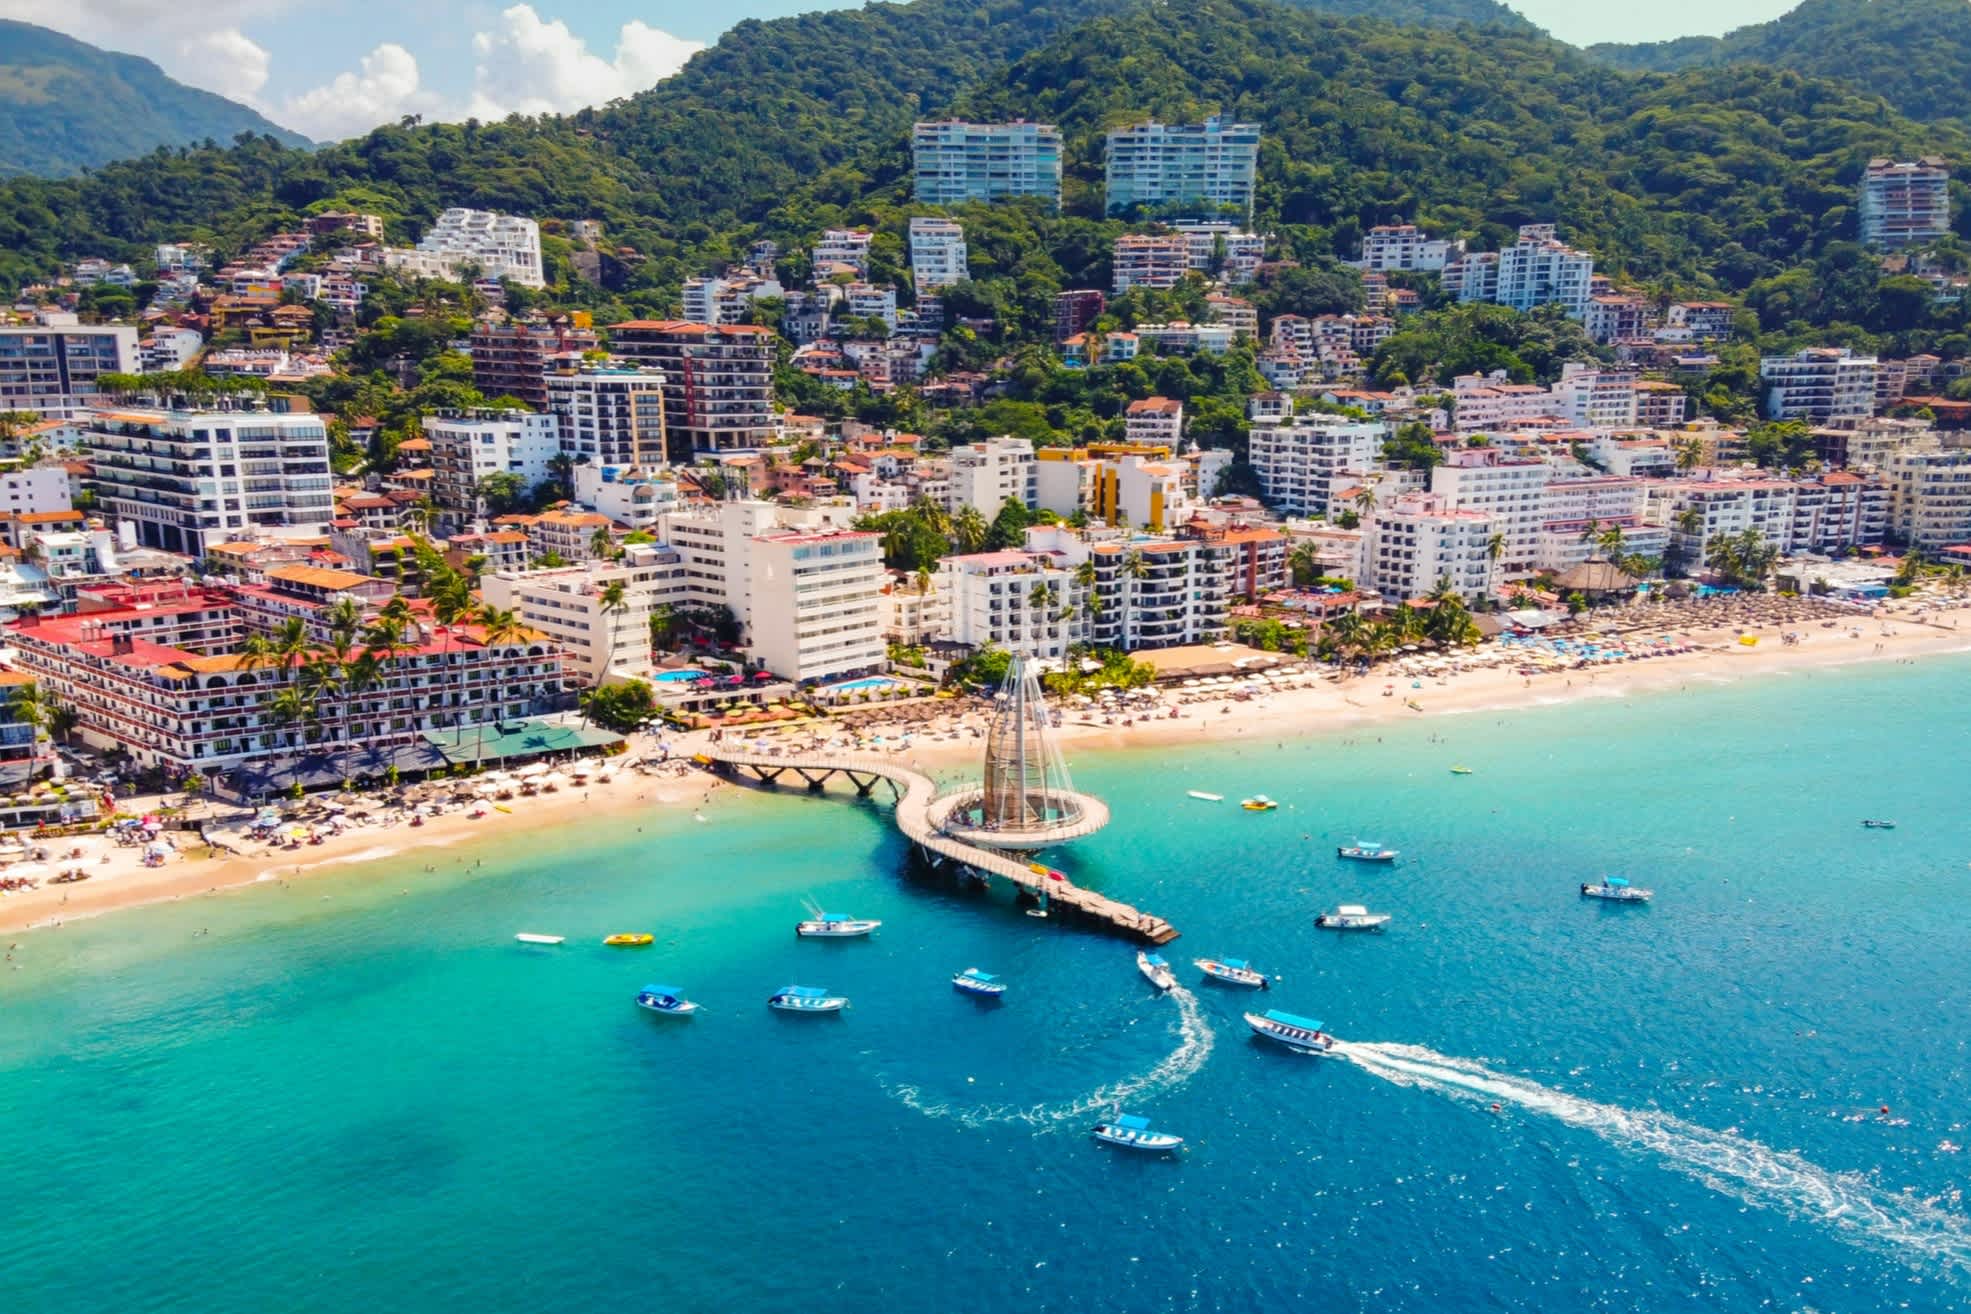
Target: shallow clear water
[{"x": 359, "y": 1092}]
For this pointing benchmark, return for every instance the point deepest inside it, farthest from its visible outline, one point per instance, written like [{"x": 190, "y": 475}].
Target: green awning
[{"x": 514, "y": 739}]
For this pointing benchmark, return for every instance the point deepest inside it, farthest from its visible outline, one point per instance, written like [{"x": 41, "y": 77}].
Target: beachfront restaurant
[{"x": 496, "y": 743}]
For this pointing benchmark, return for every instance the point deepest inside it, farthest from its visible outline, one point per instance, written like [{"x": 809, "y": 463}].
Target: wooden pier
[{"x": 916, "y": 795}]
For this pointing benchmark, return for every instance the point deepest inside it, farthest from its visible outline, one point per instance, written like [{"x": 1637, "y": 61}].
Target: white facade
[
  {"x": 1405, "y": 246},
  {"x": 817, "y": 609},
  {"x": 1818, "y": 384},
  {"x": 1418, "y": 542},
  {"x": 872, "y": 301},
  {"x": 168, "y": 349},
  {"x": 1511, "y": 493},
  {"x": 1540, "y": 270},
  {"x": 843, "y": 246},
  {"x": 953, "y": 162},
  {"x": 50, "y": 367},
  {"x": 1200, "y": 167},
  {"x": 627, "y": 495},
  {"x": 1297, "y": 460},
  {"x": 1904, "y": 204},
  {"x": 613, "y": 415},
  {"x": 937, "y": 254},
  {"x": 36, "y": 488},
  {"x": 468, "y": 446},
  {"x": 500, "y": 245},
  {"x": 1930, "y": 492},
  {"x": 1157, "y": 421},
  {"x": 985, "y": 475},
  {"x": 567, "y": 604},
  {"x": 1024, "y": 602}
]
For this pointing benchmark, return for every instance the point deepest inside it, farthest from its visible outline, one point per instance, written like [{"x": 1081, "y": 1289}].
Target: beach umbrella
[{"x": 531, "y": 770}]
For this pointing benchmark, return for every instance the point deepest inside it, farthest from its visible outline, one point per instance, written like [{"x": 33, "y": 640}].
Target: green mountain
[
  {"x": 66, "y": 106},
  {"x": 1711, "y": 178},
  {"x": 1423, "y": 13},
  {"x": 1916, "y": 54}
]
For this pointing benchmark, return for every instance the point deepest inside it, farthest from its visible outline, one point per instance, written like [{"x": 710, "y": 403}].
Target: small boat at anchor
[
  {"x": 1878, "y": 825},
  {"x": 1258, "y": 803},
  {"x": 1232, "y": 971},
  {"x": 1208, "y": 798},
  {"x": 833, "y": 926},
  {"x": 629, "y": 939},
  {"x": 668, "y": 1000},
  {"x": 1303, "y": 1035},
  {"x": 1134, "y": 1133},
  {"x": 805, "y": 999},
  {"x": 535, "y": 937},
  {"x": 1615, "y": 889},
  {"x": 1156, "y": 969},
  {"x": 1366, "y": 851},
  {"x": 1460, "y": 770},
  {"x": 1352, "y": 917},
  {"x": 983, "y": 984}
]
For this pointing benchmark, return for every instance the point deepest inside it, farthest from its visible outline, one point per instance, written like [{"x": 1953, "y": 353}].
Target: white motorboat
[
  {"x": 534, "y": 937},
  {"x": 1365, "y": 851},
  {"x": 1232, "y": 971},
  {"x": 668, "y": 1000},
  {"x": 805, "y": 999},
  {"x": 1301, "y": 1034},
  {"x": 1352, "y": 917},
  {"x": 983, "y": 984},
  {"x": 1134, "y": 1133},
  {"x": 1208, "y": 798},
  {"x": 1616, "y": 889},
  {"x": 1156, "y": 969},
  {"x": 833, "y": 926}
]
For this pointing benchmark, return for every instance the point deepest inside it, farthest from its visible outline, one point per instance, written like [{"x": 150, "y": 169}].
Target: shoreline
[{"x": 120, "y": 882}]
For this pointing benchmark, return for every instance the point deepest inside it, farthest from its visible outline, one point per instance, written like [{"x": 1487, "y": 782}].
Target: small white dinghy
[
  {"x": 1134, "y": 1133},
  {"x": 1208, "y": 798},
  {"x": 1352, "y": 917},
  {"x": 534, "y": 937}
]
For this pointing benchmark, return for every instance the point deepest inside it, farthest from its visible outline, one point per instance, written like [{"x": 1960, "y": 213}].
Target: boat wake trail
[
  {"x": 1907, "y": 1227},
  {"x": 1194, "y": 1042}
]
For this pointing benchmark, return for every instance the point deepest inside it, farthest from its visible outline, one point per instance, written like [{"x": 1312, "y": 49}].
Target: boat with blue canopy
[
  {"x": 1134, "y": 1133},
  {"x": 665, "y": 999},
  {"x": 983, "y": 984},
  {"x": 1616, "y": 889},
  {"x": 1156, "y": 969},
  {"x": 806, "y": 999},
  {"x": 1366, "y": 851},
  {"x": 1232, "y": 971},
  {"x": 1301, "y": 1034}
]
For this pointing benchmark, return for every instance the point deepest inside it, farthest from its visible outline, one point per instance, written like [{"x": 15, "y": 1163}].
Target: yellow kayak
[{"x": 629, "y": 940}]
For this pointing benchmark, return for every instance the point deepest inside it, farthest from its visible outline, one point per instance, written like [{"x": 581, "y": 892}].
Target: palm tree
[
  {"x": 663, "y": 625},
  {"x": 1611, "y": 542},
  {"x": 344, "y": 621},
  {"x": 1305, "y": 564},
  {"x": 364, "y": 673},
  {"x": 498, "y": 628},
  {"x": 614, "y": 600},
  {"x": 286, "y": 647},
  {"x": 1689, "y": 452},
  {"x": 451, "y": 602},
  {"x": 969, "y": 530},
  {"x": 290, "y": 707},
  {"x": 602, "y": 545},
  {"x": 1364, "y": 500}
]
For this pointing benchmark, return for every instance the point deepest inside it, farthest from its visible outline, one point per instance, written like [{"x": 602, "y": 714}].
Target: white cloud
[
  {"x": 529, "y": 65},
  {"x": 233, "y": 63},
  {"x": 388, "y": 86},
  {"x": 202, "y": 45}
]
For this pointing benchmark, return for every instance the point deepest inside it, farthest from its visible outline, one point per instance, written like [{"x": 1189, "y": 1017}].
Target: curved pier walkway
[{"x": 916, "y": 793}]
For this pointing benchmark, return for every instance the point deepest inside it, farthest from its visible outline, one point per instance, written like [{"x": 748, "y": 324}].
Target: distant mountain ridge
[
  {"x": 1915, "y": 54},
  {"x": 66, "y": 106}
]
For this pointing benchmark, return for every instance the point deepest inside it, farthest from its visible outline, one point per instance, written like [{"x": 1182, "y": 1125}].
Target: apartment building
[
  {"x": 183, "y": 480},
  {"x": 1159, "y": 262},
  {"x": 1158, "y": 593},
  {"x": 1138, "y": 490},
  {"x": 843, "y": 247},
  {"x": 513, "y": 358},
  {"x": 984, "y": 476},
  {"x": 468, "y": 446},
  {"x": 35, "y": 490},
  {"x": 1818, "y": 384},
  {"x": 1576, "y": 512},
  {"x": 1297, "y": 459},
  {"x": 816, "y": 609},
  {"x": 1930, "y": 495},
  {"x": 953, "y": 163},
  {"x": 628, "y": 495},
  {"x": 1512, "y": 493},
  {"x": 1611, "y": 317},
  {"x": 1419, "y": 541},
  {"x": 1904, "y": 204},
  {"x": 1154, "y": 421},
  {"x": 1405, "y": 246},
  {"x": 610, "y": 414},
  {"x": 569, "y": 605},
  {"x": 718, "y": 381},
  {"x": 1025, "y": 602},
  {"x": 476, "y": 243},
  {"x": 1834, "y": 512},
  {"x": 1196, "y": 168},
  {"x": 568, "y": 534},
  {"x": 1540, "y": 270},
  {"x": 871, "y": 301},
  {"x": 1075, "y": 310},
  {"x": 937, "y": 254},
  {"x": 50, "y": 367}
]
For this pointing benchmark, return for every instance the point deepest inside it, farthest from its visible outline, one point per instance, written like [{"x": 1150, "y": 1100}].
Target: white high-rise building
[
  {"x": 1512, "y": 493},
  {"x": 611, "y": 414},
  {"x": 1406, "y": 246},
  {"x": 468, "y": 446},
  {"x": 984, "y": 476},
  {"x": 937, "y": 254},
  {"x": 1024, "y": 602},
  {"x": 1297, "y": 460},
  {"x": 1930, "y": 495},
  {"x": 953, "y": 163},
  {"x": 1540, "y": 270},
  {"x": 566, "y": 604},
  {"x": 1198, "y": 168},
  {"x": 1819, "y": 384},
  {"x": 50, "y": 367},
  {"x": 494, "y": 245},
  {"x": 841, "y": 246},
  {"x": 1904, "y": 204},
  {"x": 1419, "y": 541},
  {"x": 184, "y": 480}
]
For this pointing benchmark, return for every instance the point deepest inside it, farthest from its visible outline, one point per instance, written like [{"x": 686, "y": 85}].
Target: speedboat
[
  {"x": 1300, "y": 1034},
  {"x": 974, "y": 982},
  {"x": 1879, "y": 825},
  {"x": 668, "y": 1000},
  {"x": 1460, "y": 770},
  {"x": 1352, "y": 917},
  {"x": 1134, "y": 1133},
  {"x": 629, "y": 939},
  {"x": 1616, "y": 890},
  {"x": 835, "y": 926},
  {"x": 1232, "y": 971},
  {"x": 1209, "y": 798},
  {"x": 1258, "y": 803},
  {"x": 1365, "y": 851},
  {"x": 1156, "y": 969},
  {"x": 534, "y": 937},
  {"x": 805, "y": 999}
]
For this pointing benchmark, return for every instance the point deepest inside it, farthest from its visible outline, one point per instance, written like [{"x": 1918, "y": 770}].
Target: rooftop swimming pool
[
  {"x": 867, "y": 682},
  {"x": 677, "y": 677}
]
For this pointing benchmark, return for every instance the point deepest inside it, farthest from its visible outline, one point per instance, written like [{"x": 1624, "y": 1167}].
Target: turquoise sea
[{"x": 360, "y": 1094}]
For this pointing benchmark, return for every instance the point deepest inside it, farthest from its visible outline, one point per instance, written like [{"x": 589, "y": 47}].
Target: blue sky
[{"x": 333, "y": 68}]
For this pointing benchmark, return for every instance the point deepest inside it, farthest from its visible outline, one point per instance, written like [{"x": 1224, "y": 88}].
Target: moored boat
[
  {"x": 1232, "y": 971},
  {"x": 629, "y": 939},
  {"x": 1879, "y": 825},
  {"x": 1156, "y": 969},
  {"x": 1352, "y": 917},
  {"x": 983, "y": 984},
  {"x": 1615, "y": 889},
  {"x": 1301, "y": 1034},
  {"x": 1258, "y": 803},
  {"x": 535, "y": 937},
  {"x": 835, "y": 926},
  {"x": 1134, "y": 1133},
  {"x": 1366, "y": 851},
  {"x": 1209, "y": 798},
  {"x": 1460, "y": 770},
  {"x": 668, "y": 1000},
  {"x": 805, "y": 999}
]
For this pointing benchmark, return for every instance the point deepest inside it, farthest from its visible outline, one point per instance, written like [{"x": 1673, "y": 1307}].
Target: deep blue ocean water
[{"x": 358, "y": 1093}]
